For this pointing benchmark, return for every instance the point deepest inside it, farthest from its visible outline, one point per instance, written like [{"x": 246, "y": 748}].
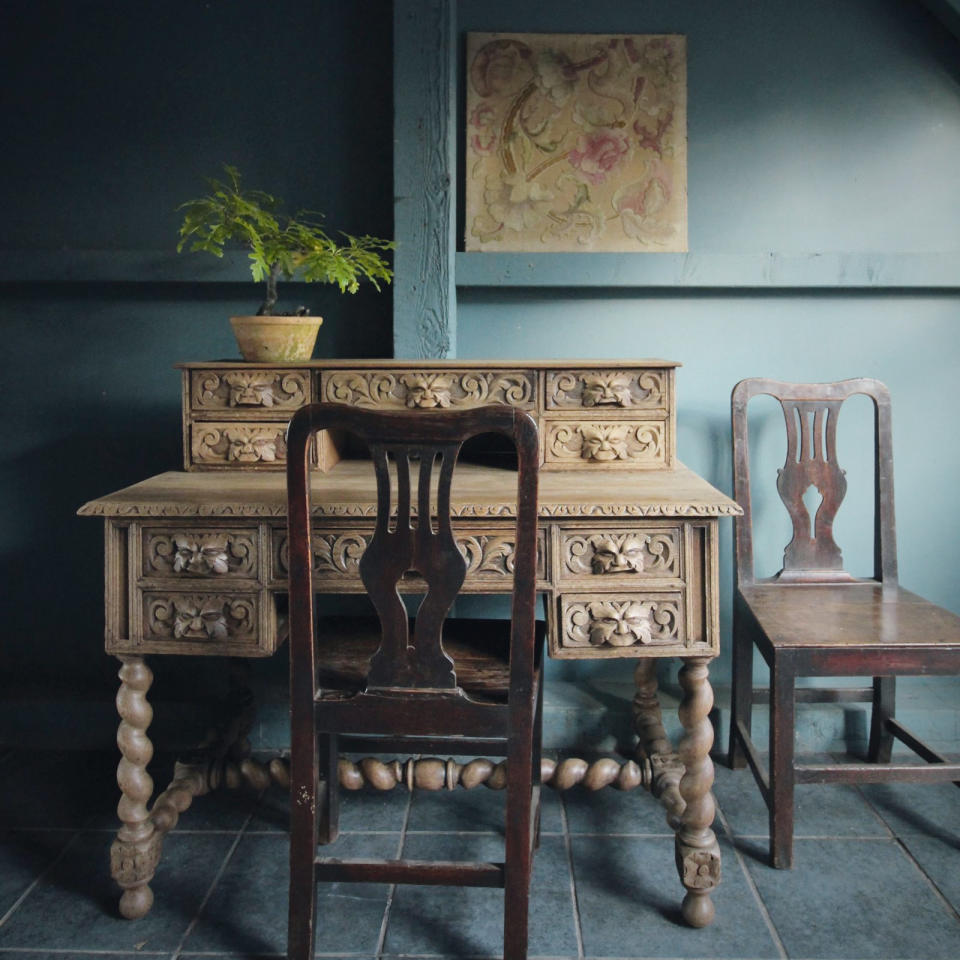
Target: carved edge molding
[{"x": 174, "y": 508}]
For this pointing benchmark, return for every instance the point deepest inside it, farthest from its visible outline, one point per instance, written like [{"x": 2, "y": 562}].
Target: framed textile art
[{"x": 576, "y": 143}]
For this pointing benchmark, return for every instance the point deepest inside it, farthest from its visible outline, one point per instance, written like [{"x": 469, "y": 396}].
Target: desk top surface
[{"x": 478, "y": 491}]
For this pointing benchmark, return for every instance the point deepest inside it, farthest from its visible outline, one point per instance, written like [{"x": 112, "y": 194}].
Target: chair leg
[
  {"x": 303, "y": 847},
  {"x": 535, "y": 764},
  {"x": 884, "y": 701},
  {"x": 519, "y": 854},
  {"x": 741, "y": 700},
  {"x": 329, "y": 819},
  {"x": 780, "y": 802}
]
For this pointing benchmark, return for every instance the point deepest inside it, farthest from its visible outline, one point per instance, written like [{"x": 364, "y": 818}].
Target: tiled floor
[{"x": 877, "y": 874}]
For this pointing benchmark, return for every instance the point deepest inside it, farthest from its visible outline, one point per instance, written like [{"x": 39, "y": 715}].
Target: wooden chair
[
  {"x": 477, "y": 690},
  {"x": 814, "y": 619}
]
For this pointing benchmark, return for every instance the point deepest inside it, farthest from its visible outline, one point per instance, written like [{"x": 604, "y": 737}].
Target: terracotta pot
[{"x": 276, "y": 339}]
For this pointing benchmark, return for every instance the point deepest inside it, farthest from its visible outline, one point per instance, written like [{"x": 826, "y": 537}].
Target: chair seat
[
  {"x": 479, "y": 648},
  {"x": 826, "y": 616}
]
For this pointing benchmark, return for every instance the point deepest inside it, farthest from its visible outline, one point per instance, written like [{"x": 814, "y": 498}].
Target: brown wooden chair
[
  {"x": 397, "y": 684},
  {"x": 815, "y": 619}
]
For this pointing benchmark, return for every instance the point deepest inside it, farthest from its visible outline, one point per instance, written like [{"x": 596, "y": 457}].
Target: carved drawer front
[
  {"x": 249, "y": 391},
  {"x": 192, "y": 553},
  {"x": 616, "y": 444},
  {"x": 622, "y": 624},
  {"x": 201, "y": 622},
  {"x": 336, "y": 555},
  {"x": 429, "y": 388},
  {"x": 608, "y": 389},
  {"x": 238, "y": 445},
  {"x": 622, "y": 554}
]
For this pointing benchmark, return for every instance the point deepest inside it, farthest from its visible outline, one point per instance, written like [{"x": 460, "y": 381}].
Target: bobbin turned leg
[
  {"x": 697, "y": 851},
  {"x": 136, "y": 850}
]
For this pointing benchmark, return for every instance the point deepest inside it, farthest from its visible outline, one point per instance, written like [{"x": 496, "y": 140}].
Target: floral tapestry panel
[{"x": 576, "y": 143}]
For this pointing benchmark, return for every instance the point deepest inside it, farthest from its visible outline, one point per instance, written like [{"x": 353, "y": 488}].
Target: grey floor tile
[
  {"x": 24, "y": 855},
  {"x": 479, "y": 810},
  {"x": 939, "y": 857},
  {"x": 820, "y": 809},
  {"x": 614, "y": 811},
  {"x": 247, "y": 913},
  {"x": 629, "y": 896},
  {"x": 360, "y": 810},
  {"x": 911, "y": 809},
  {"x": 460, "y": 921},
  {"x": 74, "y": 907},
  {"x": 58, "y": 789},
  {"x": 856, "y": 898}
]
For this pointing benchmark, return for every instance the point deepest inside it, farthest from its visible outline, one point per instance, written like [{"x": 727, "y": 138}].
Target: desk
[{"x": 196, "y": 561}]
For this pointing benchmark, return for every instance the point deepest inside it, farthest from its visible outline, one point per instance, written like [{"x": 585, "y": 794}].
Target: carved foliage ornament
[
  {"x": 621, "y": 623},
  {"x": 606, "y": 442},
  {"x": 257, "y": 388},
  {"x": 427, "y": 388},
  {"x": 201, "y": 617},
  {"x": 655, "y": 554},
  {"x": 605, "y": 388},
  {"x": 239, "y": 443},
  {"x": 200, "y": 553}
]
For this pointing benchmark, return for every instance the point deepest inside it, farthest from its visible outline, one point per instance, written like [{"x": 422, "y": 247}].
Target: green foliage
[{"x": 292, "y": 247}]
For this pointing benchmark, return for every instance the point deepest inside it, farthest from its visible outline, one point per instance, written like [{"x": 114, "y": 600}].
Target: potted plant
[{"x": 291, "y": 247}]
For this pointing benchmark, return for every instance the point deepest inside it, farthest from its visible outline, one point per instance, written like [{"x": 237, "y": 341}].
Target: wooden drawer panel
[
  {"x": 614, "y": 444},
  {"x": 429, "y": 388},
  {"x": 337, "y": 555},
  {"x": 202, "y": 622},
  {"x": 238, "y": 445},
  {"x": 192, "y": 553},
  {"x": 609, "y": 389},
  {"x": 249, "y": 391},
  {"x": 620, "y": 624},
  {"x": 621, "y": 553}
]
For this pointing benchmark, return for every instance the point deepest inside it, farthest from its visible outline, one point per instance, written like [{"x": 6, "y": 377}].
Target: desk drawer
[
  {"x": 238, "y": 445},
  {"x": 620, "y": 624},
  {"x": 250, "y": 392},
  {"x": 611, "y": 444},
  {"x": 428, "y": 389},
  {"x": 609, "y": 389},
  {"x": 191, "y": 553},
  {"x": 204, "y": 622},
  {"x": 621, "y": 553},
  {"x": 337, "y": 555}
]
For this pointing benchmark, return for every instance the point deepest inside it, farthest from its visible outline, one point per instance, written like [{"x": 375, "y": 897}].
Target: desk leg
[
  {"x": 697, "y": 851},
  {"x": 136, "y": 850}
]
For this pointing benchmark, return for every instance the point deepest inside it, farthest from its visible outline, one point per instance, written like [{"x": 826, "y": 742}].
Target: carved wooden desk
[{"x": 196, "y": 564}]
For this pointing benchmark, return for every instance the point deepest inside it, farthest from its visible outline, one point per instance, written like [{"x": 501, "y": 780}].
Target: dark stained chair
[
  {"x": 815, "y": 619},
  {"x": 422, "y": 686}
]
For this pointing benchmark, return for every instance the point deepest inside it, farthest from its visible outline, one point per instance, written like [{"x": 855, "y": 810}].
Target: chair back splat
[{"x": 399, "y": 684}]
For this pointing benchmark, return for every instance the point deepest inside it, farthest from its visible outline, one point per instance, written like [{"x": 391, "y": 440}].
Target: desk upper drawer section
[
  {"x": 248, "y": 392},
  {"x": 428, "y": 389},
  {"x": 647, "y": 390}
]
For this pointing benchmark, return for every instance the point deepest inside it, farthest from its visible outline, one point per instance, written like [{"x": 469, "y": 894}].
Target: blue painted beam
[
  {"x": 710, "y": 270},
  {"x": 424, "y": 165}
]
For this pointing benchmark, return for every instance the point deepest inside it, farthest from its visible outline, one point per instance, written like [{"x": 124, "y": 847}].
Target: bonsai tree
[{"x": 294, "y": 247}]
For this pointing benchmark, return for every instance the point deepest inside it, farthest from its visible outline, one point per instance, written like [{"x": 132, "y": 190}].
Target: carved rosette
[
  {"x": 621, "y": 622},
  {"x": 239, "y": 443},
  {"x": 198, "y": 616},
  {"x": 249, "y": 389},
  {"x": 615, "y": 389},
  {"x": 626, "y": 443},
  {"x": 655, "y": 554},
  {"x": 200, "y": 553},
  {"x": 429, "y": 388}
]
